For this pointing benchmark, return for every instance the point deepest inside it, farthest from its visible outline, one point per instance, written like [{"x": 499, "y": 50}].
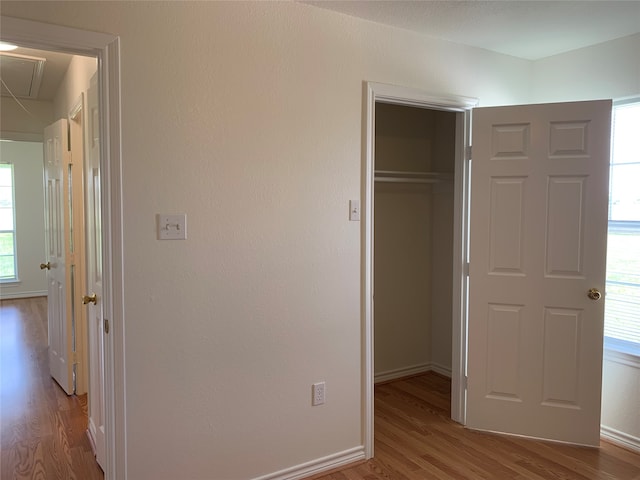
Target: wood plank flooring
[
  {"x": 42, "y": 430},
  {"x": 415, "y": 439}
]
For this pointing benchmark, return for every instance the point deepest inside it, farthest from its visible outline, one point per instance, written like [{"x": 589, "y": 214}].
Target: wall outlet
[{"x": 318, "y": 393}]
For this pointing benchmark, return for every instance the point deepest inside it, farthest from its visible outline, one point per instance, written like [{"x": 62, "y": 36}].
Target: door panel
[
  {"x": 93, "y": 250},
  {"x": 538, "y": 242},
  {"x": 60, "y": 328}
]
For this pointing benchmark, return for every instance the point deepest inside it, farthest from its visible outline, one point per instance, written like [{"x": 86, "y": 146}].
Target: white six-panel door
[
  {"x": 538, "y": 244},
  {"x": 93, "y": 265},
  {"x": 60, "y": 330}
]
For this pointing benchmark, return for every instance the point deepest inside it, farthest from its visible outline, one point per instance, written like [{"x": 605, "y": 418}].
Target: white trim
[
  {"x": 35, "y": 293},
  {"x": 441, "y": 369},
  {"x": 21, "y": 137},
  {"x": 403, "y": 372},
  {"x": 620, "y": 438},
  {"x": 373, "y": 92},
  {"x": 622, "y": 357},
  {"x": 626, "y": 100},
  {"x": 320, "y": 465},
  {"x": 106, "y": 48}
]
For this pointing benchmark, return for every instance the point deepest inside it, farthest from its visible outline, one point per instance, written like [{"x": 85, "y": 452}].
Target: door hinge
[
  {"x": 465, "y": 382},
  {"x": 465, "y": 269},
  {"x": 468, "y": 152},
  {"x": 106, "y": 325},
  {"x": 74, "y": 357}
]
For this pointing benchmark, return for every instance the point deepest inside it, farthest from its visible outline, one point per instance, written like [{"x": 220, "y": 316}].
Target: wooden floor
[
  {"x": 42, "y": 431},
  {"x": 416, "y": 439}
]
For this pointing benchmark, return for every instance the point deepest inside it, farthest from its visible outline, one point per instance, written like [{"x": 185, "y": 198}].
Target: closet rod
[{"x": 411, "y": 177}]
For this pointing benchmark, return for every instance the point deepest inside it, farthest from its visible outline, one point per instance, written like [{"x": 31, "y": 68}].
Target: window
[
  {"x": 8, "y": 270},
  {"x": 622, "y": 308}
]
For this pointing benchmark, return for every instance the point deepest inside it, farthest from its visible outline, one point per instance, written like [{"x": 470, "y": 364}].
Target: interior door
[
  {"x": 60, "y": 328},
  {"x": 93, "y": 265},
  {"x": 538, "y": 244}
]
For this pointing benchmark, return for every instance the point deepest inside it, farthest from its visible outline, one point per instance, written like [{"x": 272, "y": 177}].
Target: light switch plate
[
  {"x": 354, "y": 210},
  {"x": 172, "y": 227}
]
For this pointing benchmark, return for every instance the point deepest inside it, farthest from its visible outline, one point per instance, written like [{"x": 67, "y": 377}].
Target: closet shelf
[{"x": 393, "y": 176}]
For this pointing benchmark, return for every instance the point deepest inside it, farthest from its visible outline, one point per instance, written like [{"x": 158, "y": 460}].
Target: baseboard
[
  {"x": 620, "y": 438},
  {"x": 412, "y": 370},
  {"x": 320, "y": 465},
  {"x": 10, "y": 296},
  {"x": 441, "y": 369}
]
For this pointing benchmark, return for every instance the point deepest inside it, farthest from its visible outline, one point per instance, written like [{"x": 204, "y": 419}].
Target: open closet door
[{"x": 539, "y": 199}]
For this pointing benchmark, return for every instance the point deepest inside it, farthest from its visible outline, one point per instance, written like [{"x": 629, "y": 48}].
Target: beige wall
[
  {"x": 16, "y": 124},
  {"x": 26, "y": 158},
  {"x": 248, "y": 118},
  {"x": 413, "y": 256},
  {"x": 75, "y": 82}
]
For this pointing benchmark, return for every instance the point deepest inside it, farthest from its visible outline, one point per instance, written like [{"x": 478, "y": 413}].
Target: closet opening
[
  {"x": 413, "y": 205},
  {"x": 415, "y": 235}
]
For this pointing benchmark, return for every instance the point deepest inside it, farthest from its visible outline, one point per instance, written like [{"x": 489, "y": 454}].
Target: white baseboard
[
  {"x": 621, "y": 438},
  {"x": 9, "y": 295},
  {"x": 320, "y": 465},
  {"x": 412, "y": 370},
  {"x": 441, "y": 369}
]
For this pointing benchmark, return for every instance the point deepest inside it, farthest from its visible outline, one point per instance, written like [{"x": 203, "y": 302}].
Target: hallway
[{"x": 42, "y": 431}]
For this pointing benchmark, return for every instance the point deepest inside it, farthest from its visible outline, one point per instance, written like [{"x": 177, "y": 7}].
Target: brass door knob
[
  {"x": 594, "y": 294},
  {"x": 44, "y": 266},
  {"x": 86, "y": 299}
]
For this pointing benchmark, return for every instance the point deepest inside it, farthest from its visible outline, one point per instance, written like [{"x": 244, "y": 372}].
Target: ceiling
[
  {"x": 522, "y": 28},
  {"x": 20, "y": 68}
]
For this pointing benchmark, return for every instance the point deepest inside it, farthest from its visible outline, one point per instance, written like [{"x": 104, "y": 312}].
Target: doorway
[
  {"x": 106, "y": 49},
  {"x": 63, "y": 232},
  {"x": 432, "y": 173},
  {"x": 551, "y": 137}
]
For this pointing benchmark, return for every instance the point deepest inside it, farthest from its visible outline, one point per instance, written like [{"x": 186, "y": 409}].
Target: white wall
[
  {"x": 620, "y": 398},
  {"x": 248, "y": 118},
  {"x": 607, "y": 70},
  {"x": 29, "y": 204}
]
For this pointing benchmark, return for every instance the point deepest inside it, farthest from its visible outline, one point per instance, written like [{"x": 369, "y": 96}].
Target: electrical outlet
[{"x": 318, "y": 392}]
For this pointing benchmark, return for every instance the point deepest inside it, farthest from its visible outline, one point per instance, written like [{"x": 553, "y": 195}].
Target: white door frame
[
  {"x": 106, "y": 48},
  {"x": 410, "y": 97}
]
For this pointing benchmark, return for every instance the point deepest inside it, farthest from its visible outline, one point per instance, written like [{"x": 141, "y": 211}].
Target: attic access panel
[{"x": 21, "y": 75}]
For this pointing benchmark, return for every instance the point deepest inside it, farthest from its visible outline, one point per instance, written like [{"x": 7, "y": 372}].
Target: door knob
[
  {"x": 594, "y": 294},
  {"x": 87, "y": 299},
  {"x": 45, "y": 266}
]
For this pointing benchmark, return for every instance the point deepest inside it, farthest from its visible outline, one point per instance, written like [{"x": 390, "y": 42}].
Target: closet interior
[{"x": 413, "y": 240}]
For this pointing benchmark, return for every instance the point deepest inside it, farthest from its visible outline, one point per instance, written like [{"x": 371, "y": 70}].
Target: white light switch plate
[
  {"x": 354, "y": 210},
  {"x": 172, "y": 227}
]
